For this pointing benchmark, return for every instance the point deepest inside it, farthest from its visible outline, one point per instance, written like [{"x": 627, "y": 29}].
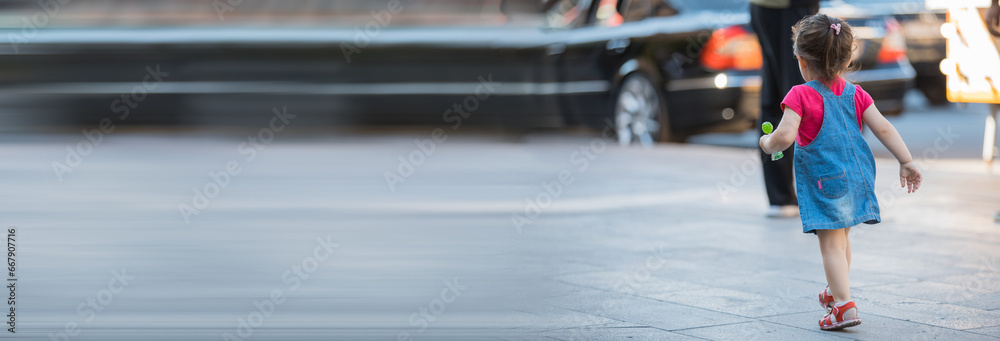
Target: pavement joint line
[
  {"x": 712, "y": 326},
  {"x": 610, "y": 318},
  {"x": 821, "y": 332},
  {"x": 681, "y": 304},
  {"x": 816, "y": 331},
  {"x": 784, "y": 314},
  {"x": 697, "y": 337},
  {"x": 753, "y": 318},
  {"x": 978, "y": 333},
  {"x": 897, "y": 319},
  {"x": 591, "y": 325}
]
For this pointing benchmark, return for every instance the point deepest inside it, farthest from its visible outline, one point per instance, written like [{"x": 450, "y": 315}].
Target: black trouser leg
[{"x": 779, "y": 73}]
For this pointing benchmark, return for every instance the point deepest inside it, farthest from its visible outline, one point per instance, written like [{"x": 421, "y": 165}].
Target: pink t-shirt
[{"x": 808, "y": 103}]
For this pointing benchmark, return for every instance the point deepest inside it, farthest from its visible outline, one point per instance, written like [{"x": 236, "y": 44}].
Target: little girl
[{"x": 834, "y": 167}]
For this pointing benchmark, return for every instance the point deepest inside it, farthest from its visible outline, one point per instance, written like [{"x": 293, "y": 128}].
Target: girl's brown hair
[{"x": 825, "y": 42}]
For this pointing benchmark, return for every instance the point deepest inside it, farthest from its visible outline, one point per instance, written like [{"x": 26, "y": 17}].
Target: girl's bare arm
[
  {"x": 909, "y": 175},
  {"x": 784, "y": 135},
  {"x": 887, "y": 134}
]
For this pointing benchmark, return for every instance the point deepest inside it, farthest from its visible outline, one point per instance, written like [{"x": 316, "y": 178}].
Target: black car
[{"x": 651, "y": 70}]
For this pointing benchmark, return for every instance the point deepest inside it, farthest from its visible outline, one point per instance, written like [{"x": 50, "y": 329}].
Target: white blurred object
[
  {"x": 946, "y": 4},
  {"x": 973, "y": 65}
]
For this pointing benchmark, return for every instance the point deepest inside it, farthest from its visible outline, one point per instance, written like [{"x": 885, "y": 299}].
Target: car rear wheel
[{"x": 640, "y": 114}]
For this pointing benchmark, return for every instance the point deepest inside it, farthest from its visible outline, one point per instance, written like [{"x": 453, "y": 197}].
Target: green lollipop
[{"x": 768, "y": 128}]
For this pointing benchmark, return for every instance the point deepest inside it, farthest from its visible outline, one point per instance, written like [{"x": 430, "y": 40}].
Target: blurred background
[
  {"x": 531, "y": 151},
  {"x": 657, "y": 70}
]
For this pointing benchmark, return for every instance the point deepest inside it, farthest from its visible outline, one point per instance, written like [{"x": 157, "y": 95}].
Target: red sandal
[
  {"x": 825, "y": 299},
  {"x": 836, "y": 320}
]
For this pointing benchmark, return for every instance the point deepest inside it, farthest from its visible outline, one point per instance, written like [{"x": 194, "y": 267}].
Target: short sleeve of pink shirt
[{"x": 808, "y": 103}]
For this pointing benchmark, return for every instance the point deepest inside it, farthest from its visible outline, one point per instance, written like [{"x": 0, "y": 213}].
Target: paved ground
[{"x": 477, "y": 243}]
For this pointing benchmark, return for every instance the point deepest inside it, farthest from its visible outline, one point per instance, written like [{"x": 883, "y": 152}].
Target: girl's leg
[
  {"x": 833, "y": 245},
  {"x": 847, "y": 233}
]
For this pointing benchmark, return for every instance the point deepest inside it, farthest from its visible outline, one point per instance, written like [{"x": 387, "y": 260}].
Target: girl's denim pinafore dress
[{"x": 835, "y": 174}]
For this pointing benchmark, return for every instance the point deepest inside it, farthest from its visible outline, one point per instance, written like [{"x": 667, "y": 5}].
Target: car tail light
[
  {"x": 732, "y": 48},
  {"x": 893, "y": 43}
]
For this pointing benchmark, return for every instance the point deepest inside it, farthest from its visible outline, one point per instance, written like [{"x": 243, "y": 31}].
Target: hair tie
[{"x": 836, "y": 27}]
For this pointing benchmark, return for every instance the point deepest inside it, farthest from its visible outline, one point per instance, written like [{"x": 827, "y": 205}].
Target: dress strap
[
  {"x": 825, "y": 91},
  {"x": 820, "y": 88},
  {"x": 848, "y": 90}
]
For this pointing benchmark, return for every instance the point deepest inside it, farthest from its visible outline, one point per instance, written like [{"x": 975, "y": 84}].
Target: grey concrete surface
[{"x": 669, "y": 243}]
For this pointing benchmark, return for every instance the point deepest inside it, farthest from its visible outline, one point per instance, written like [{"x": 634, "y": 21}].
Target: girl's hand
[
  {"x": 763, "y": 143},
  {"x": 909, "y": 177}
]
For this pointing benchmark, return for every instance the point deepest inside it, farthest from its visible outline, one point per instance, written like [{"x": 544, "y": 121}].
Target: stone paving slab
[
  {"x": 648, "y": 312},
  {"x": 875, "y": 327},
  {"x": 967, "y": 296},
  {"x": 907, "y": 262},
  {"x": 777, "y": 284},
  {"x": 580, "y": 271},
  {"x": 922, "y": 311},
  {"x": 738, "y": 302},
  {"x": 813, "y": 273},
  {"x": 549, "y": 318},
  {"x": 759, "y": 331}
]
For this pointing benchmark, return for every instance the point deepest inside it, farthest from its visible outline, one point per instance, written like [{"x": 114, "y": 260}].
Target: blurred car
[
  {"x": 650, "y": 70},
  {"x": 712, "y": 83}
]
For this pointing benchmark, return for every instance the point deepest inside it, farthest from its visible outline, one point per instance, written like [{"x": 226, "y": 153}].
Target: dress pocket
[{"x": 833, "y": 186}]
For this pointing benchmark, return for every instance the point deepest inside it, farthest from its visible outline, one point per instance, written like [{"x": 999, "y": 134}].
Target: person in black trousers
[{"x": 772, "y": 20}]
